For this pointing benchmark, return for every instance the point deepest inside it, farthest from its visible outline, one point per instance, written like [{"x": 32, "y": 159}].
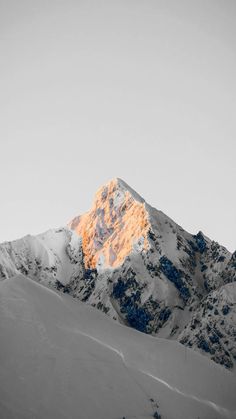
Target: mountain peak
[
  {"x": 117, "y": 221},
  {"x": 118, "y": 184}
]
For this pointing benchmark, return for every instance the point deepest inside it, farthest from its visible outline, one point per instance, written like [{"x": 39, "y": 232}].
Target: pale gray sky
[{"x": 143, "y": 90}]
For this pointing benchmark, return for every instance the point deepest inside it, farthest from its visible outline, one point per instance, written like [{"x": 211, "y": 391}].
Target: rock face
[
  {"x": 212, "y": 328},
  {"x": 138, "y": 266},
  {"x": 116, "y": 222}
]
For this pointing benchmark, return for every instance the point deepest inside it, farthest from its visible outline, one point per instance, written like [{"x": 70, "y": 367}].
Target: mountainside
[
  {"x": 138, "y": 266},
  {"x": 63, "y": 359}
]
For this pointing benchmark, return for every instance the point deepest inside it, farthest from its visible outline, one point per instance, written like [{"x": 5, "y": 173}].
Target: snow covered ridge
[{"x": 142, "y": 269}]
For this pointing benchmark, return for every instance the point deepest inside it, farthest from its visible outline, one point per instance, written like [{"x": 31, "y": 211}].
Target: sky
[{"x": 141, "y": 90}]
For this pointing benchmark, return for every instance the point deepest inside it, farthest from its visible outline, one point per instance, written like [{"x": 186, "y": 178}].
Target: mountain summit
[
  {"x": 138, "y": 266},
  {"x": 117, "y": 221}
]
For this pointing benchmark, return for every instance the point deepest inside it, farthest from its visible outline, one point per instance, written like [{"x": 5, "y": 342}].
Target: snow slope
[
  {"x": 53, "y": 255},
  {"x": 63, "y": 359}
]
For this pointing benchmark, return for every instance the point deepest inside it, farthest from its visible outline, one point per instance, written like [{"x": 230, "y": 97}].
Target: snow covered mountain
[{"x": 138, "y": 266}]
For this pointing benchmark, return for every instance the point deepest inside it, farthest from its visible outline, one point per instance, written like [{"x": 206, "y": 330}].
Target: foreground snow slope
[{"x": 63, "y": 359}]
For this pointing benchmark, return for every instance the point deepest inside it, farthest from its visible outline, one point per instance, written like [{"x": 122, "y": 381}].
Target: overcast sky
[{"x": 143, "y": 90}]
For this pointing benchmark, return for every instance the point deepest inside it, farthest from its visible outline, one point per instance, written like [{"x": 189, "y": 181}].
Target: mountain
[{"x": 139, "y": 267}]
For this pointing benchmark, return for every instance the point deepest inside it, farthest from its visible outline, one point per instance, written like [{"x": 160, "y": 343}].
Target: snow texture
[{"x": 63, "y": 359}]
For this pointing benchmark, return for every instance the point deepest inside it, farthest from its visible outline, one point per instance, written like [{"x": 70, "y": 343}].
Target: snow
[
  {"x": 122, "y": 238},
  {"x": 55, "y": 254},
  {"x": 125, "y": 187},
  {"x": 63, "y": 359}
]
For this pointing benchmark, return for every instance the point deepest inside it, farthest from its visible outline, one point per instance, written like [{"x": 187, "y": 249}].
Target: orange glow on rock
[{"x": 114, "y": 224}]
